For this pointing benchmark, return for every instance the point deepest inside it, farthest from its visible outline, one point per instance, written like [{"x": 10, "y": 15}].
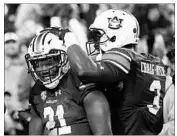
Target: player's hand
[
  {"x": 62, "y": 34},
  {"x": 65, "y": 35},
  {"x": 58, "y": 31},
  {"x": 68, "y": 37},
  {"x": 24, "y": 115}
]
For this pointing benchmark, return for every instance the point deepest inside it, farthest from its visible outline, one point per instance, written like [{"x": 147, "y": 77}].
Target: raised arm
[{"x": 105, "y": 71}]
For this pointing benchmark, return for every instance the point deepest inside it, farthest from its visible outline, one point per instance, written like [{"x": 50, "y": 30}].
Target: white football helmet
[
  {"x": 46, "y": 59},
  {"x": 112, "y": 29}
]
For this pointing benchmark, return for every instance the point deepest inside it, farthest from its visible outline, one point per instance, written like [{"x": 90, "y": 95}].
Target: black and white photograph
[{"x": 89, "y": 69}]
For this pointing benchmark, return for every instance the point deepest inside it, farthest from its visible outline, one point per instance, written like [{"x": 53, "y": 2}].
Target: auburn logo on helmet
[{"x": 114, "y": 23}]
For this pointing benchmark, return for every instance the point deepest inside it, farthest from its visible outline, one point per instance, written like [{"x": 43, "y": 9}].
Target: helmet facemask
[
  {"x": 96, "y": 38},
  {"x": 48, "y": 68}
]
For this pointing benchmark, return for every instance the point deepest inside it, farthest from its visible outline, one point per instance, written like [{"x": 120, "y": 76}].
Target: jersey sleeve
[
  {"x": 120, "y": 58},
  {"x": 86, "y": 89},
  {"x": 82, "y": 89},
  {"x": 31, "y": 96},
  {"x": 35, "y": 91},
  {"x": 34, "y": 98}
]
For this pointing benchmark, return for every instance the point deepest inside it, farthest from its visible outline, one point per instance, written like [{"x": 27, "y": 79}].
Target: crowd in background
[{"x": 23, "y": 21}]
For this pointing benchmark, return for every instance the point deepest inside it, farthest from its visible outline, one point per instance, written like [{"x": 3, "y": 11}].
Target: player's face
[{"x": 47, "y": 68}]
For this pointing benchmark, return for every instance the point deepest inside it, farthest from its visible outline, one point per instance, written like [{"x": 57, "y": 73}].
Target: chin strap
[
  {"x": 53, "y": 84},
  {"x": 99, "y": 56}
]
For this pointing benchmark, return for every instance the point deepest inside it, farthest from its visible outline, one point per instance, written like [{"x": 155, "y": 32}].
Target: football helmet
[
  {"x": 112, "y": 29},
  {"x": 47, "y": 59}
]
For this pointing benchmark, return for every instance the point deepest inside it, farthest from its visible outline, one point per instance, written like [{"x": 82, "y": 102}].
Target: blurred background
[{"x": 23, "y": 21}]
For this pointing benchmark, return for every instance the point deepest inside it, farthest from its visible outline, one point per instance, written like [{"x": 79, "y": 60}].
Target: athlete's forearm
[
  {"x": 83, "y": 66},
  {"x": 80, "y": 63}
]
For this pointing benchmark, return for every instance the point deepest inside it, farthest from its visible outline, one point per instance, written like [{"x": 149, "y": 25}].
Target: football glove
[
  {"x": 58, "y": 31},
  {"x": 65, "y": 35}
]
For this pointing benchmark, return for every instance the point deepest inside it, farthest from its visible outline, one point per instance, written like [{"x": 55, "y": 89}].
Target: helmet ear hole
[
  {"x": 113, "y": 39},
  {"x": 134, "y": 30}
]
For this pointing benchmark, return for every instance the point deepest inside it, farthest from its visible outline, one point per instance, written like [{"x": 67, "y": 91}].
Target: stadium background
[{"x": 23, "y": 21}]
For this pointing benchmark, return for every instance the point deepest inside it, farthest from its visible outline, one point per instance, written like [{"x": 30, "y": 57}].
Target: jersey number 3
[{"x": 155, "y": 87}]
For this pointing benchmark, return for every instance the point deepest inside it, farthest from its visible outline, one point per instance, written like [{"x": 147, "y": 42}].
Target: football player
[
  {"x": 115, "y": 34},
  {"x": 60, "y": 102}
]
